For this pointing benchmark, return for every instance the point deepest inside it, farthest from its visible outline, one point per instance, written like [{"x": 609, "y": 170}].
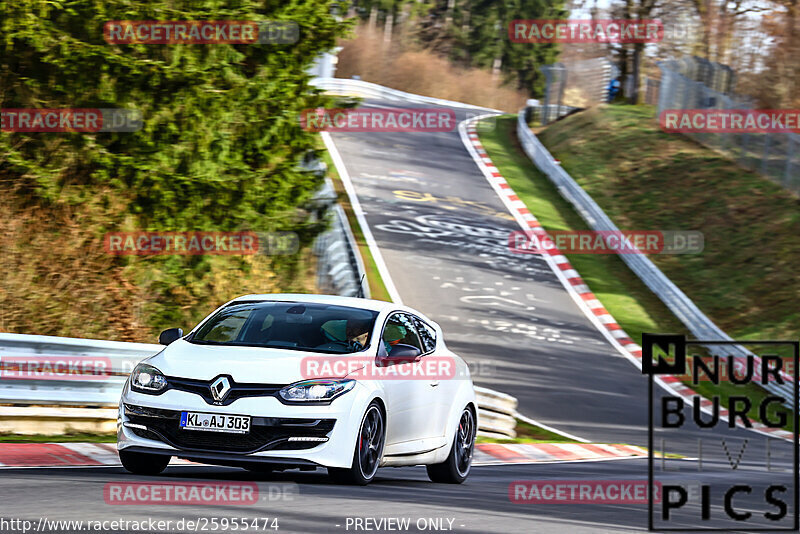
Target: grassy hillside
[
  {"x": 746, "y": 279},
  {"x": 58, "y": 280},
  {"x": 634, "y": 306}
]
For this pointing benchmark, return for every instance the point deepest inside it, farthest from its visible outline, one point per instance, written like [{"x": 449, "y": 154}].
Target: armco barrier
[
  {"x": 359, "y": 88},
  {"x": 26, "y": 387},
  {"x": 55, "y": 421},
  {"x": 676, "y": 300},
  {"x": 51, "y": 404},
  {"x": 496, "y": 413},
  {"x": 339, "y": 268}
]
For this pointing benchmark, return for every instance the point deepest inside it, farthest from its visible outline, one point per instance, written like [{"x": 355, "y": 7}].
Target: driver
[
  {"x": 353, "y": 332},
  {"x": 358, "y": 332}
]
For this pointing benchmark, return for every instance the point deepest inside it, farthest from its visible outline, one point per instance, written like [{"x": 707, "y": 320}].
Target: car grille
[
  {"x": 237, "y": 391},
  {"x": 266, "y": 433}
]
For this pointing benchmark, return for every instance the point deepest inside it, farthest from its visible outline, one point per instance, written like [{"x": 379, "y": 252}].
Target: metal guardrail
[
  {"x": 676, "y": 300},
  {"x": 58, "y": 370},
  {"x": 70, "y": 372},
  {"x": 496, "y": 413},
  {"x": 360, "y": 88},
  {"x": 339, "y": 267}
]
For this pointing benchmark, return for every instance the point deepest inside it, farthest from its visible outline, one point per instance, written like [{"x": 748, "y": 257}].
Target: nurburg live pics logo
[{"x": 760, "y": 503}]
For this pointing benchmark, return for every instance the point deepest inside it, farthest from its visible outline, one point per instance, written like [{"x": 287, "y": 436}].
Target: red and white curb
[
  {"x": 575, "y": 285},
  {"x": 105, "y": 454},
  {"x": 526, "y": 453},
  {"x": 62, "y": 455}
]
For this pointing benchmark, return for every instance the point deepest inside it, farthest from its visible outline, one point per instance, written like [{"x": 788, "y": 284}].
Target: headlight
[
  {"x": 147, "y": 379},
  {"x": 316, "y": 390}
]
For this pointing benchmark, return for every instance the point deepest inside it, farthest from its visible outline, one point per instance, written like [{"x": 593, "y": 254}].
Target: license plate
[{"x": 211, "y": 422}]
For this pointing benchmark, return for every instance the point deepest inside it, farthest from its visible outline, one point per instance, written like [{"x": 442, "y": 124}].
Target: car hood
[{"x": 244, "y": 364}]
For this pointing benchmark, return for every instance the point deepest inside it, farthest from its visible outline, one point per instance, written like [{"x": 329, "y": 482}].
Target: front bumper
[{"x": 280, "y": 433}]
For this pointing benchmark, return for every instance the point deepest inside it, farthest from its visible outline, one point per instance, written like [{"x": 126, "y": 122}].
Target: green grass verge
[
  {"x": 527, "y": 433},
  {"x": 634, "y": 306},
  {"x": 746, "y": 279},
  {"x": 58, "y": 438},
  {"x": 377, "y": 288},
  {"x": 631, "y": 303}
]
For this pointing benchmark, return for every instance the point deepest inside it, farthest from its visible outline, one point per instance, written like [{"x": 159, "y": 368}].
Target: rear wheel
[
  {"x": 141, "y": 463},
  {"x": 368, "y": 450},
  {"x": 455, "y": 469}
]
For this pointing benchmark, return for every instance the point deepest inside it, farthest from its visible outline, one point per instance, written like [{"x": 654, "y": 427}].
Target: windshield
[{"x": 289, "y": 325}]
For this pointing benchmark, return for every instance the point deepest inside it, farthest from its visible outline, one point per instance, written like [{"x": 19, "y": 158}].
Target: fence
[
  {"x": 774, "y": 155},
  {"x": 676, "y": 300},
  {"x": 651, "y": 87},
  {"x": 574, "y": 85},
  {"x": 715, "y": 76}
]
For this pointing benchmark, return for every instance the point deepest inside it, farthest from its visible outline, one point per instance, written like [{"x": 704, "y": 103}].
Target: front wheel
[
  {"x": 141, "y": 463},
  {"x": 368, "y": 450},
  {"x": 455, "y": 469}
]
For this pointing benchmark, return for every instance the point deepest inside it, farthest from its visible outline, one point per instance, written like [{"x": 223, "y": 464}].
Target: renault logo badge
[{"x": 220, "y": 388}]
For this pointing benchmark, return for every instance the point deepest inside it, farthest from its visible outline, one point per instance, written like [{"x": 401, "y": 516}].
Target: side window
[
  {"x": 400, "y": 330},
  {"x": 426, "y": 334}
]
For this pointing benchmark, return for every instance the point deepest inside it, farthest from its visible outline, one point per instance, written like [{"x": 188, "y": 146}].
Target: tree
[
  {"x": 474, "y": 33},
  {"x": 221, "y": 137}
]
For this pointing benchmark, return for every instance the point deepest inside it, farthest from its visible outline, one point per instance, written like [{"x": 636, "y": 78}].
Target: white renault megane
[{"x": 272, "y": 382}]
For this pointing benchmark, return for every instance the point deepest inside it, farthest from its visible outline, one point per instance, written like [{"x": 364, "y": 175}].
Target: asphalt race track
[
  {"x": 443, "y": 233},
  {"x": 309, "y": 503}
]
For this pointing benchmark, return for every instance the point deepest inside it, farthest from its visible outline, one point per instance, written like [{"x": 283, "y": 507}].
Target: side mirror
[
  {"x": 402, "y": 354},
  {"x": 171, "y": 334}
]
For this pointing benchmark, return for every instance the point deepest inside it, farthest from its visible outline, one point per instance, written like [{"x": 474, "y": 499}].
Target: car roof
[{"x": 367, "y": 304}]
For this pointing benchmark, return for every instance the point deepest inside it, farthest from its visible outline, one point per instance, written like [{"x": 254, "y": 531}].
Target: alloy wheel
[{"x": 370, "y": 442}]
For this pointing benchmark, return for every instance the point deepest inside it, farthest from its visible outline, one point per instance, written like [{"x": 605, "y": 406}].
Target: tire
[
  {"x": 368, "y": 450},
  {"x": 455, "y": 469},
  {"x": 141, "y": 463}
]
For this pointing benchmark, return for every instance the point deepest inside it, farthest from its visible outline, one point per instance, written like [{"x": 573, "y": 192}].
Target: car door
[
  {"x": 409, "y": 397},
  {"x": 443, "y": 382}
]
